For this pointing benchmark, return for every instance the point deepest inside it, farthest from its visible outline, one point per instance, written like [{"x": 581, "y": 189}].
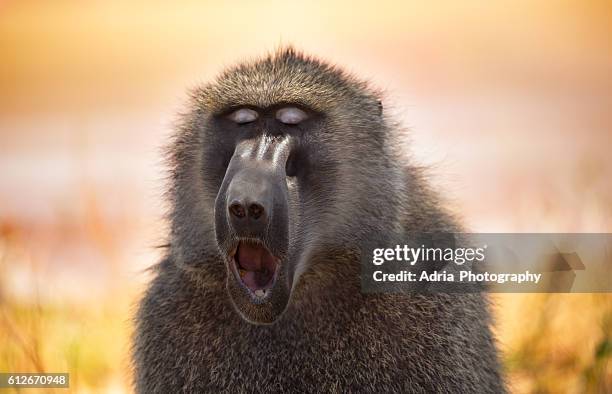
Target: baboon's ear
[{"x": 380, "y": 107}]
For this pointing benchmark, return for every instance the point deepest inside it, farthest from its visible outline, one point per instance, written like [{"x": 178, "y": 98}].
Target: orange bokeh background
[{"x": 508, "y": 104}]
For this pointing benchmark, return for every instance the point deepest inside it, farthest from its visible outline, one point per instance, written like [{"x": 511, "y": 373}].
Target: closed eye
[
  {"x": 291, "y": 115},
  {"x": 243, "y": 115}
]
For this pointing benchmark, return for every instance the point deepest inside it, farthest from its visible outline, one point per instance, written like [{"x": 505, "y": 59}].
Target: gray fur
[{"x": 331, "y": 338}]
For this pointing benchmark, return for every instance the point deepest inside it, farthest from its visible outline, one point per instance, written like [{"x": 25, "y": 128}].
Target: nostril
[
  {"x": 237, "y": 210},
  {"x": 255, "y": 211}
]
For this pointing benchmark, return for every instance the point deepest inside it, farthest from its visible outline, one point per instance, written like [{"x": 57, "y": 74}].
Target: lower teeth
[{"x": 260, "y": 293}]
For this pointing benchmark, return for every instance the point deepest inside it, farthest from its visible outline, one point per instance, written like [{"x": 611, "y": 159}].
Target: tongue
[
  {"x": 255, "y": 280},
  {"x": 259, "y": 265}
]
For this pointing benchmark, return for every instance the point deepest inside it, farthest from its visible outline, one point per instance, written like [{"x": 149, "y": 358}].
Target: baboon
[{"x": 280, "y": 170}]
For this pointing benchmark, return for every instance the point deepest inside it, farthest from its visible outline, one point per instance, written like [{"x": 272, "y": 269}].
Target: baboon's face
[
  {"x": 289, "y": 152},
  {"x": 267, "y": 174}
]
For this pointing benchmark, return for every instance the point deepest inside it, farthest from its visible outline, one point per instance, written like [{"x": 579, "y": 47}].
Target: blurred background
[{"x": 508, "y": 103}]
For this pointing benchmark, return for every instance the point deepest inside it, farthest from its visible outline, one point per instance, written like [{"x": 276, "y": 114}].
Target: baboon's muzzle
[{"x": 251, "y": 226}]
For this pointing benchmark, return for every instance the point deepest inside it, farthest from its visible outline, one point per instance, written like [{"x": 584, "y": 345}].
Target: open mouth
[{"x": 255, "y": 267}]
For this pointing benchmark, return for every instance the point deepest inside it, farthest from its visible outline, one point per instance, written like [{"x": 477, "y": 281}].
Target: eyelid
[
  {"x": 243, "y": 115},
  {"x": 291, "y": 115}
]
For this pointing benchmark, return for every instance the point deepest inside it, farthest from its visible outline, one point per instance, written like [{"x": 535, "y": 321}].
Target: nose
[
  {"x": 239, "y": 210},
  {"x": 250, "y": 198}
]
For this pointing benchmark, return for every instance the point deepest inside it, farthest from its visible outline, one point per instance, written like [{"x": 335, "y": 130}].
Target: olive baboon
[{"x": 280, "y": 170}]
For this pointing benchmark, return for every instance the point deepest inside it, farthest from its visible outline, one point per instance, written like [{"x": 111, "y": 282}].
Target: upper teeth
[{"x": 260, "y": 293}]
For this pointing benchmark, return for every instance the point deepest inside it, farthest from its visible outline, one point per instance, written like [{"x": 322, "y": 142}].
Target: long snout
[
  {"x": 252, "y": 227},
  {"x": 255, "y": 187}
]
